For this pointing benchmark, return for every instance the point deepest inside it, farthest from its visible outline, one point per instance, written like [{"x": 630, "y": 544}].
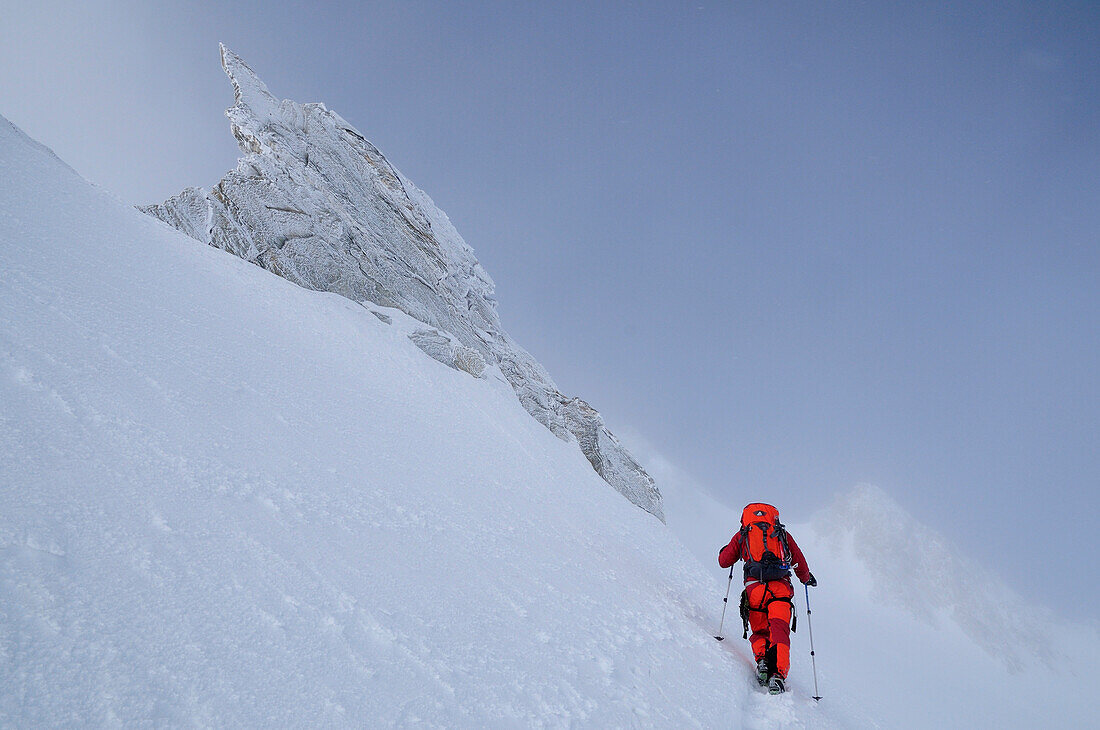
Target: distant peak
[
  {"x": 869, "y": 498},
  {"x": 248, "y": 89},
  {"x": 869, "y": 506}
]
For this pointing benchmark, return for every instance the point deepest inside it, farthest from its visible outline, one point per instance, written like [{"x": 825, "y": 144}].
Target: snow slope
[{"x": 227, "y": 500}]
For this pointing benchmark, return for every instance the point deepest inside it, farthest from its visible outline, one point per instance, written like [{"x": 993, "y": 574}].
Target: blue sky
[{"x": 796, "y": 247}]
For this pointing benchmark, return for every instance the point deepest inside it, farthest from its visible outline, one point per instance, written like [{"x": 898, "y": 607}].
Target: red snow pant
[{"x": 769, "y": 607}]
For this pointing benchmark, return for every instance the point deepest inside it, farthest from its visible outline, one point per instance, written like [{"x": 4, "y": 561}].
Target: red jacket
[{"x": 731, "y": 553}]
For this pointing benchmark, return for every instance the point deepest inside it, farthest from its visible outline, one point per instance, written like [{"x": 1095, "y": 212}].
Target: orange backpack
[{"x": 764, "y": 543}]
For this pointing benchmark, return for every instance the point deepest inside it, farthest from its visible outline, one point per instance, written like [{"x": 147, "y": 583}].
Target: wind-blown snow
[{"x": 313, "y": 201}]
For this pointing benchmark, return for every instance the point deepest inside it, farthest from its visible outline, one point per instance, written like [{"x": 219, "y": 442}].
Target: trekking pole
[
  {"x": 813, "y": 659},
  {"x": 725, "y": 604}
]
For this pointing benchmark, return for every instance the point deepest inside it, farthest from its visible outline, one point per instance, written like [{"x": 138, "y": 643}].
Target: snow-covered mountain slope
[
  {"x": 228, "y": 500},
  {"x": 313, "y": 201},
  {"x": 907, "y": 632}
]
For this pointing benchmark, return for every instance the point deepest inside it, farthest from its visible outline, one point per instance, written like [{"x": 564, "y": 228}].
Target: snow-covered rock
[
  {"x": 313, "y": 201},
  {"x": 441, "y": 346}
]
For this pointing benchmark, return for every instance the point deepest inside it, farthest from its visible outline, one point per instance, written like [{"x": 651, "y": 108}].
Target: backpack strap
[{"x": 781, "y": 533}]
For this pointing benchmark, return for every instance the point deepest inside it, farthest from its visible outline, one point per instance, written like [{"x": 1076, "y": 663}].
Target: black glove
[{"x": 811, "y": 581}]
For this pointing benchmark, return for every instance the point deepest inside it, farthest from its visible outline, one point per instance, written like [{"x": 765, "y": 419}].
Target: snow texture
[{"x": 316, "y": 203}]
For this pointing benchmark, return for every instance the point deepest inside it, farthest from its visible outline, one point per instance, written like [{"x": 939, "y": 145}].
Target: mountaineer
[{"x": 770, "y": 553}]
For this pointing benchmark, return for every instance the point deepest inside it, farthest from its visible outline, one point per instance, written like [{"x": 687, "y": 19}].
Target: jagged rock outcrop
[{"x": 313, "y": 201}]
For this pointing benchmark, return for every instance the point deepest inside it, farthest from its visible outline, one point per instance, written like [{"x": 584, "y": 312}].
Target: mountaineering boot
[
  {"x": 776, "y": 685},
  {"x": 762, "y": 671}
]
